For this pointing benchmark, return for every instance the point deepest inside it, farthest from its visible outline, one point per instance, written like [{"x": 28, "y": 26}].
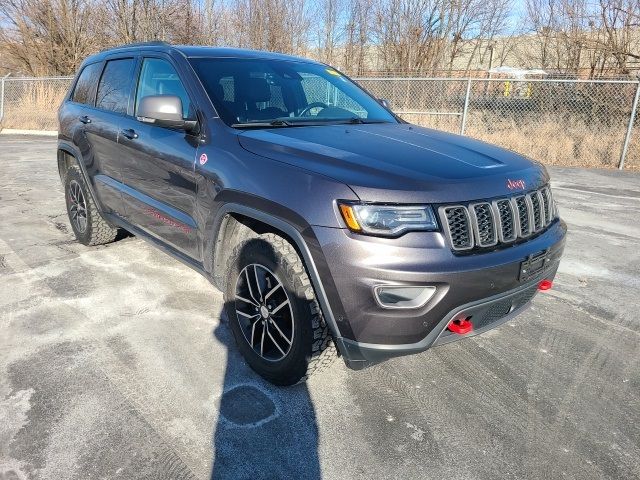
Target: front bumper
[
  {"x": 465, "y": 283},
  {"x": 492, "y": 312}
]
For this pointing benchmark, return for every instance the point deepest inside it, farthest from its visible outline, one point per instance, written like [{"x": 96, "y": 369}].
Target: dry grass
[
  {"x": 570, "y": 143},
  {"x": 32, "y": 106}
]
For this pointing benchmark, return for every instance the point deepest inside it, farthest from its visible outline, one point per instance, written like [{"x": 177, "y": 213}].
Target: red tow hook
[
  {"x": 545, "y": 285},
  {"x": 460, "y": 326}
]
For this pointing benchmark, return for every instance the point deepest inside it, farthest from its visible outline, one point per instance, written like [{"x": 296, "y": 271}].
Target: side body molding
[{"x": 296, "y": 236}]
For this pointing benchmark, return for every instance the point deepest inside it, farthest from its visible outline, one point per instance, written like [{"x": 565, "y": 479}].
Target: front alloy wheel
[
  {"x": 264, "y": 312},
  {"x": 87, "y": 223},
  {"x": 77, "y": 207},
  {"x": 273, "y": 312}
]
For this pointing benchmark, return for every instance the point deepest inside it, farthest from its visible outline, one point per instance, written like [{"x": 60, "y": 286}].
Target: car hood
[{"x": 399, "y": 162}]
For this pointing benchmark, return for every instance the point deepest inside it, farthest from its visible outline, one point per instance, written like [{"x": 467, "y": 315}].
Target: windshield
[{"x": 261, "y": 93}]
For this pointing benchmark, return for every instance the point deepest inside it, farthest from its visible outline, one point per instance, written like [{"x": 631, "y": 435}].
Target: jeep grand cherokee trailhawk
[{"x": 331, "y": 225}]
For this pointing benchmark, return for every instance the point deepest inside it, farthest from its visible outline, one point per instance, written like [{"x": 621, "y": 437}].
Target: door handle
[
  {"x": 84, "y": 119},
  {"x": 129, "y": 133}
]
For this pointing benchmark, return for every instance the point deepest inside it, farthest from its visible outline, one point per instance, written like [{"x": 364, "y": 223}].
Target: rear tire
[
  {"x": 268, "y": 284},
  {"x": 86, "y": 221}
]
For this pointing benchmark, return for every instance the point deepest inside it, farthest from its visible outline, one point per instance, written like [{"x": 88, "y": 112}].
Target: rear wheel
[
  {"x": 273, "y": 312},
  {"x": 86, "y": 222}
]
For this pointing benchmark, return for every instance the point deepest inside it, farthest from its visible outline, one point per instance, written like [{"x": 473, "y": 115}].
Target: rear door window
[
  {"x": 115, "y": 85},
  {"x": 85, "y": 87},
  {"x": 158, "y": 77}
]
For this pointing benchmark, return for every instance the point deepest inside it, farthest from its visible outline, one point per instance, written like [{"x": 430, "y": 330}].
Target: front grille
[
  {"x": 506, "y": 220},
  {"x": 483, "y": 223},
  {"x": 501, "y": 221},
  {"x": 459, "y": 227},
  {"x": 523, "y": 216},
  {"x": 538, "y": 221},
  {"x": 548, "y": 203}
]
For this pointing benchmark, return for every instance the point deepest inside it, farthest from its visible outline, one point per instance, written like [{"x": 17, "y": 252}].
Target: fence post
[
  {"x": 463, "y": 124},
  {"x": 625, "y": 146},
  {"x": 2, "y": 95}
]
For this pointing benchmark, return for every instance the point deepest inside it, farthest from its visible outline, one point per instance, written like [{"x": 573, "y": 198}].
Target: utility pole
[
  {"x": 627, "y": 138},
  {"x": 2, "y": 95},
  {"x": 491, "y": 47}
]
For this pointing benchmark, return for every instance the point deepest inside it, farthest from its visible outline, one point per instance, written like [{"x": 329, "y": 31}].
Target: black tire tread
[
  {"x": 101, "y": 232},
  {"x": 323, "y": 350}
]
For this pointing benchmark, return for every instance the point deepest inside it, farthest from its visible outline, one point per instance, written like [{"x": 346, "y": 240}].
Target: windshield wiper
[
  {"x": 359, "y": 120},
  {"x": 278, "y": 122},
  {"x": 273, "y": 123}
]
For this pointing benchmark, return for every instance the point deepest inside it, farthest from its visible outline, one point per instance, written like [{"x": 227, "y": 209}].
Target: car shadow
[{"x": 263, "y": 431}]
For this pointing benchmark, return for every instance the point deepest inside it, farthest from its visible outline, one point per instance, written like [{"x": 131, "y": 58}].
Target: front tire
[
  {"x": 273, "y": 312},
  {"x": 86, "y": 221}
]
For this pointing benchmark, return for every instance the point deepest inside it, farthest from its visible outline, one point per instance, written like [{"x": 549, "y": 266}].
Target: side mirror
[
  {"x": 164, "y": 111},
  {"x": 385, "y": 103}
]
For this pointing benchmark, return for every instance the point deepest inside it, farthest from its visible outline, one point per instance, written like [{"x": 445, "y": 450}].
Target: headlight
[{"x": 387, "y": 220}]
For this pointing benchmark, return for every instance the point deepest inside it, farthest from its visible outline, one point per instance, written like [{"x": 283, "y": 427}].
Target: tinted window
[
  {"x": 86, "y": 83},
  {"x": 158, "y": 77},
  {"x": 115, "y": 85},
  {"x": 248, "y": 91},
  {"x": 273, "y": 100}
]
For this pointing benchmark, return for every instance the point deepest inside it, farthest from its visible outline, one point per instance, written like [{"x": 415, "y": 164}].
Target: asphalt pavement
[{"x": 115, "y": 363}]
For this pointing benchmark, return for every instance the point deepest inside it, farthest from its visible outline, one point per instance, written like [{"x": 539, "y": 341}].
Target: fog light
[{"x": 403, "y": 296}]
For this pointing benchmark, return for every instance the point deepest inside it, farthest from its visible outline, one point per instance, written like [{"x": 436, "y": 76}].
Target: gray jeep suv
[{"x": 332, "y": 226}]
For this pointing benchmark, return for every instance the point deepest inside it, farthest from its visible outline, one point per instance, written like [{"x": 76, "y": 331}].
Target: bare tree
[
  {"x": 472, "y": 26},
  {"x": 327, "y": 18},
  {"x": 47, "y": 37},
  {"x": 143, "y": 20},
  {"x": 212, "y": 23},
  {"x": 275, "y": 25},
  {"x": 541, "y": 19},
  {"x": 572, "y": 35},
  {"x": 410, "y": 36},
  {"x": 620, "y": 20},
  {"x": 357, "y": 34}
]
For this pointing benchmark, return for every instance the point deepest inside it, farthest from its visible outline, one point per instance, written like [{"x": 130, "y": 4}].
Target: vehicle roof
[{"x": 198, "y": 51}]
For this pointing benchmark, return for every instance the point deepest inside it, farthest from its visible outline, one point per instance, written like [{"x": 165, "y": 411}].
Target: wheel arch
[
  {"x": 69, "y": 156},
  {"x": 237, "y": 222},
  {"x": 66, "y": 159}
]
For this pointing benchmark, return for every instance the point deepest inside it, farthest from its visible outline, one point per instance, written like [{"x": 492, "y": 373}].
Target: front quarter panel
[
  {"x": 228, "y": 175},
  {"x": 227, "y": 172}
]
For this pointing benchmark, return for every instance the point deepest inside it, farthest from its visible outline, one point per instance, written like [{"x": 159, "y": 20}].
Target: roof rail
[{"x": 144, "y": 44}]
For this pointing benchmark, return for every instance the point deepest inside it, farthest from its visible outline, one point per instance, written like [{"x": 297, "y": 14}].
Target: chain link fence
[
  {"x": 31, "y": 103},
  {"x": 559, "y": 122}
]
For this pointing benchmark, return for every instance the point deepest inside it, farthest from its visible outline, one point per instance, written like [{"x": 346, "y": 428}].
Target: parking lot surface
[{"x": 115, "y": 363}]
